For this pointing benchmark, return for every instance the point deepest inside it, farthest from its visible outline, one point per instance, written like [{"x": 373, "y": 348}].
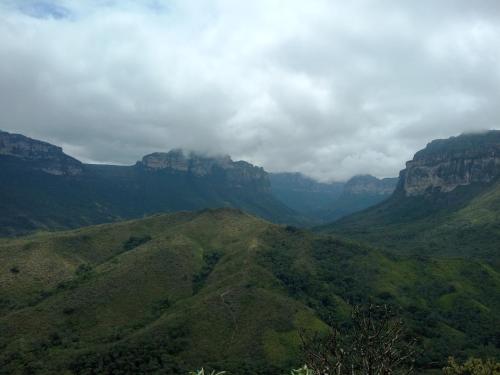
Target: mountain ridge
[
  {"x": 450, "y": 211},
  {"x": 445, "y": 164},
  {"x": 47, "y": 157},
  {"x": 46, "y": 189},
  {"x": 325, "y": 202}
]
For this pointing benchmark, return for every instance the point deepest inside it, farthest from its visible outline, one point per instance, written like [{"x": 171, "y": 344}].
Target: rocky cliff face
[
  {"x": 367, "y": 184},
  {"x": 233, "y": 174},
  {"x": 43, "y": 156},
  {"x": 446, "y": 164}
]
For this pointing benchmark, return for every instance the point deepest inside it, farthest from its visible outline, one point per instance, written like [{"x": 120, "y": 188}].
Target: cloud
[
  {"x": 328, "y": 88},
  {"x": 43, "y": 9}
]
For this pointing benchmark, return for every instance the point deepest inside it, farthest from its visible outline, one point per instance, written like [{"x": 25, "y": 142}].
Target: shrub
[
  {"x": 202, "y": 372},
  {"x": 473, "y": 366},
  {"x": 68, "y": 310},
  {"x": 375, "y": 344},
  {"x": 302, "y": 371},
  {"x": 135, "y": 241}
]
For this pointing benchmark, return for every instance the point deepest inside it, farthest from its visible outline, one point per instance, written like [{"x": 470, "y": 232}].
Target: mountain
[
  {"x": 325, "y": 202},
  {"x": 222, "y": 289},
  {"x": 41, "y": 155},
  {"x": 222, "y": 169},
  {"x": 446, "y": 164},
  {"x": 304, "y": 194},
  {"x": 369, "y": 185},
  {"x": 359, "y": 193},
  {"x": 446, "y": 203},
  {"x": 43, "y": 188}
]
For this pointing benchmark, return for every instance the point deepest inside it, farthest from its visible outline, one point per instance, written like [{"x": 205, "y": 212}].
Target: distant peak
[
  {"x": 44, "y": 156},
  {"x": 237, "y": 174},
  {"x": 362, "y": 178},
  {"x": 368, "y": 184},
  {"x": 180, "y": 160}
]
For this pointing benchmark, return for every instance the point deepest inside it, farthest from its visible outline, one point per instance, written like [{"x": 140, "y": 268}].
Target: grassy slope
[
  {"x": 464, "y": 224},
  {"x": 217, "y": 287}
]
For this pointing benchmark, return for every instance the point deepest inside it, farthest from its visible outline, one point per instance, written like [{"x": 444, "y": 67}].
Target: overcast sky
[{"x": 328, "y": 88}]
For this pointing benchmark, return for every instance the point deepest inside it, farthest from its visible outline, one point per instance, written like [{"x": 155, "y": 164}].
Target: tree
[
  {"x": 473, "y": 366},
  {"x": 375, "y": 344}
]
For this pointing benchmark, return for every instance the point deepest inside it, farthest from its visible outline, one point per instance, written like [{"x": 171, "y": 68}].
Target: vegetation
[
  {"x": 375, "y": 344},
  {"x": 473, "y": 366},
  {"x": 134, "y": 241},
  {"x": 463, "y": 223},
  {"x": 223, "y": 290},
  {"x": 326, "y": 202},
  {"x": 302, "y": 371},
  {"x": 202, "y": 372}
]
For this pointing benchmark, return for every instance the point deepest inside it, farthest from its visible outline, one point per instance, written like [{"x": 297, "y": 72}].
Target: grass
[{"x": 220, "y": 289}]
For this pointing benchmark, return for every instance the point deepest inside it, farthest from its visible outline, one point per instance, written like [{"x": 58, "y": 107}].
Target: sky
[{"x": 328, "y": 88}]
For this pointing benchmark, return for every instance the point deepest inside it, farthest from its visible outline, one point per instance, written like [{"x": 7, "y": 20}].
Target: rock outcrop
[
  {"x": 234, "y": 174},
  {"x": 42, "y": 155},
  {"x": 367, "y": 184},
  {"x": 446, "y": 164}
]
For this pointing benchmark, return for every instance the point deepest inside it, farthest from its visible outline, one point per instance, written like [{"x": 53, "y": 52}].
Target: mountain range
[
  {"x": 325, "y": 202},
  {"x": 225, "y": 289},
  {"x": 45, "y": 189},
  {"x": 446, "y": 203}
]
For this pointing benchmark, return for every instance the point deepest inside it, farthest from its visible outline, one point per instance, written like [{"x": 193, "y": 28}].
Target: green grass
[{"x": 220, "y": 289}]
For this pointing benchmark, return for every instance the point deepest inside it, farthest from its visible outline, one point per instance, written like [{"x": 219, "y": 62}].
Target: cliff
[
  {"x": 42, "y": 155},
  {"x": 367, "y": 184},
  {"x": 234, "y": 174},
  {"x": 446, "y": 164}
]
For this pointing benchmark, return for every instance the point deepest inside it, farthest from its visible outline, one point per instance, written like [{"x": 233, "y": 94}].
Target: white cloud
[{"x": 328, "y": 88}]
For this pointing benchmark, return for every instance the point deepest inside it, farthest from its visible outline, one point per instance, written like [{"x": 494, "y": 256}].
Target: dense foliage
[
  {"x": 223, "y": 290},
  {"x": 473, "y": 366},
  {"x": 462, "y": 223}
]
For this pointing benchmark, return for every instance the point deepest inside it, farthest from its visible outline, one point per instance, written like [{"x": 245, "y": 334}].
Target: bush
[
  {"x": 202, "y": 372},
  {"x": 376, "y": 343},
  {"x": 473, "y": 366},
  {"x": 302, "y": 371},
  {"x": 135, "y": 241}
]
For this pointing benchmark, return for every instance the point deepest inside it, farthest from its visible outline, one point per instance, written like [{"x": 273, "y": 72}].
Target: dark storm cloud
[{"x": 328, "y": 88}]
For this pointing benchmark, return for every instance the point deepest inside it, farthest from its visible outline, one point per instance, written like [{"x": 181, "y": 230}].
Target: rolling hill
[{"x": 223, "y": 289}]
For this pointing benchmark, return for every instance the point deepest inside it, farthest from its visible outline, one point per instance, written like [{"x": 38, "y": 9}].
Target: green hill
[
  {"x": 464, "y": 224},
  {"x": 222, "y": 289},
  {"x": 447, "y": 203}
]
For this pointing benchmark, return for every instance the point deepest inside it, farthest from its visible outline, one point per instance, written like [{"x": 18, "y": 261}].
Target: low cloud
[{"x": 328, "y": 88}]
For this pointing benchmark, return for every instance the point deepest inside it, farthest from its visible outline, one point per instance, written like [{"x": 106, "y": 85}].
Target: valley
[{"x": 222, "y": 288}]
